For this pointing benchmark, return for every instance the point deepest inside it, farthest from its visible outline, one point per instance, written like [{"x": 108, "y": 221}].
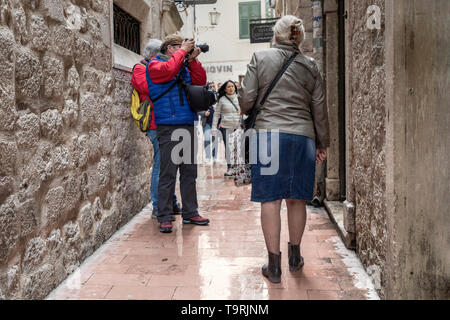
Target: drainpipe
[
  {"x": 319, "y": 187},
  {"x": 318, "y": 33}
]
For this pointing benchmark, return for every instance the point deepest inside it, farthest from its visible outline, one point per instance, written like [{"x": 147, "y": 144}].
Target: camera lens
[{"x": 203, "y": 47}]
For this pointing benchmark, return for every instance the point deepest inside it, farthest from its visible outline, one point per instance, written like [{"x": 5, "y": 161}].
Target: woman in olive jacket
[{"x": 296, "y": 110}]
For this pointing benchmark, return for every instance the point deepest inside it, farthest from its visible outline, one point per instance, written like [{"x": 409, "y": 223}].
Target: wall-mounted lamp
[{"x": 214, "y": 17}]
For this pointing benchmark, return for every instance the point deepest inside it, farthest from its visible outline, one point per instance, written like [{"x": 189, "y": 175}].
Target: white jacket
[{"x": 230, "y": 114}]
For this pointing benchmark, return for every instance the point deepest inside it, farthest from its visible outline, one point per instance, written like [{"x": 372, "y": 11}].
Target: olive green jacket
[{"x": 296, "y": 105}]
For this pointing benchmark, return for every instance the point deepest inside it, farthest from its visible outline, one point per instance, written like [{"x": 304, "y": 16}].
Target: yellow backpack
[{"x": 141, "y": 111}]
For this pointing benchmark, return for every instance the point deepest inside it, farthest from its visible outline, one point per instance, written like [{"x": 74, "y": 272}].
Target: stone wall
[
  {"x": 418, "y": 148},
  {"x": 73, "y": 166},
  {"x": 331, "y": 72},
  {"x": 366, "y": 104}
]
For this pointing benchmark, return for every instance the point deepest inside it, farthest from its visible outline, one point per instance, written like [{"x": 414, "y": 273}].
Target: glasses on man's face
[{"x": 176, "y": 45}]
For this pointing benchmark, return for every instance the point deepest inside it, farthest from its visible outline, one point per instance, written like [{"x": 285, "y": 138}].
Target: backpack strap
[{"x": 137, "y": 64}]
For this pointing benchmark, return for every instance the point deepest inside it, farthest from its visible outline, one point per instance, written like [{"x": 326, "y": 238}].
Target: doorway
[{"x": 342, "y": 16}]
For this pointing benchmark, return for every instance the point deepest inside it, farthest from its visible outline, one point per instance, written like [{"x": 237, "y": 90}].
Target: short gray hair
[
  {"x": 152, "y": 48},
  {"x": 289, "y": 29}
]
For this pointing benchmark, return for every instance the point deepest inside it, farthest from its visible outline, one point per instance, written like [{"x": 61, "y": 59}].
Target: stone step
[{"x": 335, "y": 211}]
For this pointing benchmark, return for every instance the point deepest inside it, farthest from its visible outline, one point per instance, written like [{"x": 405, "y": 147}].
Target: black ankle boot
[
  {"x": 272, "y": 270},
  {"x": 295, "y": 259}
]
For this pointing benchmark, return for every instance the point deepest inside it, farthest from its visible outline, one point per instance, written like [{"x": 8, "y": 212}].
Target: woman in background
[
  {"x": 228, "y": 110},
  {"x": 207, "y": 119}
]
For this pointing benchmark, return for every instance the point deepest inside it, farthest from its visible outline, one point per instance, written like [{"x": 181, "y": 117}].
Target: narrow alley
[{"x": 219, "y": 261}]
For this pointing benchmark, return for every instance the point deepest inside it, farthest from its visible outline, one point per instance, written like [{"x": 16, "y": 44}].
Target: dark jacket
[{"x": 207, "y": 119}]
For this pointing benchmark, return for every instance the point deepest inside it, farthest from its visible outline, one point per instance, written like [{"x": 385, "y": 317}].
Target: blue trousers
[{"x": 209, "y": 141}]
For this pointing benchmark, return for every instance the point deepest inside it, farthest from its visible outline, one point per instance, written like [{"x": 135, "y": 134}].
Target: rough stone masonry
[{"x": 73, "y": 166}]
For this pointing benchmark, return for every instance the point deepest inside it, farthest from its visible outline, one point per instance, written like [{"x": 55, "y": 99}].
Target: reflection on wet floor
[{"x": 220, "y": 261}]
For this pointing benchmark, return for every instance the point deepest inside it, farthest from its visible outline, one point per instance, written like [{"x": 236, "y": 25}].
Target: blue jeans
[
  {"x": 208, "y": 141},
  {"x": 151, "y": 134}
]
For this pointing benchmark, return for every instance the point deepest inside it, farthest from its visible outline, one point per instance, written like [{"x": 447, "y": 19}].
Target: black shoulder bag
[
  {"x": 249, "y": 123},
  {"x": 200, "y": 98}
]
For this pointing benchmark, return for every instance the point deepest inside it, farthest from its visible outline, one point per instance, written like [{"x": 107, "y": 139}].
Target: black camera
[{"x": 203, "y": 47}]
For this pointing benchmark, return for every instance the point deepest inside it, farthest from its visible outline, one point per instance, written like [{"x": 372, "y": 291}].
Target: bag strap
[
  {"x": 237, "y": 109},
  {"x": 132, "y": 71},
  {"x": 166, "y": 91},
  {"x": 137, "y": 64},
  {"x": 277, "y": 77}
]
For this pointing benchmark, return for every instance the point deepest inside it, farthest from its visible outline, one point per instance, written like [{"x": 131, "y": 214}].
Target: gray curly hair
[
  {"x": 152, "y": 48},
  {"x": 289, "y": 30}
]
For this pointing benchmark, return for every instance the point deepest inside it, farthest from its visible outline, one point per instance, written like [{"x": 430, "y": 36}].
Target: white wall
[{"x": 226, "y": 49}]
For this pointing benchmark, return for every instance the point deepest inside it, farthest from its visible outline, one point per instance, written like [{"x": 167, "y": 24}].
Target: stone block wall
[
  {"x": 331, "y": 72},
  {"x": 418, "y": 145},
  {"x": 73, "y": 166},
  {"x": 366, "y": 102}
]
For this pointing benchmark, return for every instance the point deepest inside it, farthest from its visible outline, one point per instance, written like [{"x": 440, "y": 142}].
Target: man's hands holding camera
[
  {"x": 194, "y": 54},
  {"x": 188, "y": 46}
]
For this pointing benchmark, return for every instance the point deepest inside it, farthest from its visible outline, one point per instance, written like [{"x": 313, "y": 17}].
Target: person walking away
[
  {"x": 206, "y": 119},
  {"x": 139, "y": 82},
  {"x": 172, "y": 113},
  {"x": 295, "y": 107},
  {"x": 229, "y": 111}
]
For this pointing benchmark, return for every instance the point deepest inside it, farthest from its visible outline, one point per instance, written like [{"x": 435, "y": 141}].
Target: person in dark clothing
[
  {"x": 173, "y": 115},
  {"x": 139, "y": 82},
  {"x": 206, "y": 118}
]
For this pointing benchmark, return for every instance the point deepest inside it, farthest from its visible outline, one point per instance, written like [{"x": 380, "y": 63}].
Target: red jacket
[
  {"x": 161, "y": 72},
  {"x": 164, "y": 72},
  {"x": 139, "y": 82}
]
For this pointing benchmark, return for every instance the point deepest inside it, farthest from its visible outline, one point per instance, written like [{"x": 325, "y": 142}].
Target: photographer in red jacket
[
  {"x": 172, "y": 112},
  {"x": 139, "y": 82}
]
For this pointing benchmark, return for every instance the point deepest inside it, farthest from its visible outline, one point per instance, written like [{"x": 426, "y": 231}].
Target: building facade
[
  {"x": 74, "y": 168},
  {"x": 386, "y": 65},
  {"x": 229, "y": 41}
]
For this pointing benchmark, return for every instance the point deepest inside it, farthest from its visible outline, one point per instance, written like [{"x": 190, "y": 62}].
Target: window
[
  {"x": 127, "y": 32},
  {"x": 247, "y": 11}
]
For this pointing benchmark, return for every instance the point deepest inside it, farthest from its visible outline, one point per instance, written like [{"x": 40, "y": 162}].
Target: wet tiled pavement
[{"x": 219, "y": 261}]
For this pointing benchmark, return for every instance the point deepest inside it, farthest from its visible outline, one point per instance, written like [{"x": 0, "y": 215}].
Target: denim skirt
[{"x": 283, "y": 167}]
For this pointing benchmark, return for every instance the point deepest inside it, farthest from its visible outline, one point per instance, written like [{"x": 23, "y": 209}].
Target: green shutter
[{"x": 247, "y": 11}]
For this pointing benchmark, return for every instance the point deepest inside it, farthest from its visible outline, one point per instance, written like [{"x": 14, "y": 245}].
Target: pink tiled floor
[{"x": 219, "y": 261}]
